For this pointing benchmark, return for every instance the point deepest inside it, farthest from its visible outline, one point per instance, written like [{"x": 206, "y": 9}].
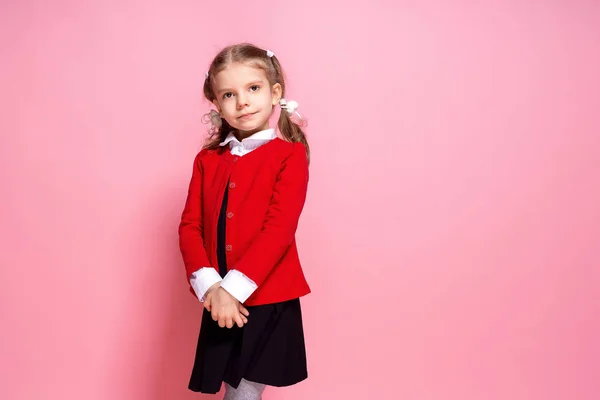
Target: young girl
[{"x": 237, "y": 231}]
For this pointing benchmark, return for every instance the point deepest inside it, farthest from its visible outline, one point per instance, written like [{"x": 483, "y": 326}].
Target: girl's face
[{"x": 245, "y": 98}]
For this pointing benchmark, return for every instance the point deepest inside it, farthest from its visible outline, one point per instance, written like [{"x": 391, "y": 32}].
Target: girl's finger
[
  {"x": 239, "y": 319},
  {"x": 244, "y": 311}
]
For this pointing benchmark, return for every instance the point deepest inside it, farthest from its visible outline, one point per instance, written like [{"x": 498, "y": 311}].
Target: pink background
[{"x": 451, "y": 234}]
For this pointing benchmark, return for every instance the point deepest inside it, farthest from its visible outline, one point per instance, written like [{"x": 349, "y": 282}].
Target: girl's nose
[{"x": 242, "y": 101}]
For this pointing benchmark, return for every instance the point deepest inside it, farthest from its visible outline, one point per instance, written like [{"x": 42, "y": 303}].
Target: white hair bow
[
  {"x": 290, "y": 106},
  {"x": 214, "y": 119}
]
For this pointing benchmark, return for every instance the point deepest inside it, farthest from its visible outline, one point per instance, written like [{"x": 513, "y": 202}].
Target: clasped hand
[{"x": 224, "y": 308}]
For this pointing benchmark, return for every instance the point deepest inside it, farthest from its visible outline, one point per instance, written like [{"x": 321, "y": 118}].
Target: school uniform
[{"x": 238, "y": 228}]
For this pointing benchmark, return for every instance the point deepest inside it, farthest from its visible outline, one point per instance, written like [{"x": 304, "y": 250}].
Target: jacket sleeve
[
  {"x": 279, "y": 228},
  {"x": 191, "y": 227}
]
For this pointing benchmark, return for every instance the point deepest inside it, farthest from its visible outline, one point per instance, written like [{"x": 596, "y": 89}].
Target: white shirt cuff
[
  {"x": 238, "y": 285},
  {"x": 202, "y": 280}
]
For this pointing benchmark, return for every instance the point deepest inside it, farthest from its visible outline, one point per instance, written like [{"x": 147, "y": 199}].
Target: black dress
[{"x": 269, "y": 349}]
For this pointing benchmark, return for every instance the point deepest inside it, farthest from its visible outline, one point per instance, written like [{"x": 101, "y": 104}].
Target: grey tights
[{"x": 245, "y": 391}]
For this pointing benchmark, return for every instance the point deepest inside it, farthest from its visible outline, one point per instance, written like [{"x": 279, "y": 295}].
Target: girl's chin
[{"x": 250, "y": 126}]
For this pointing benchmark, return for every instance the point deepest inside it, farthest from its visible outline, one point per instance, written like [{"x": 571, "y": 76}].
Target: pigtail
[
  {"x": 292, "y": 132},
  {"x": 217, "y": 132}
]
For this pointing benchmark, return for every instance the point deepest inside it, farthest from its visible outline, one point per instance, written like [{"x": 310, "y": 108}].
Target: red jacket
[{"x": 267, "y": 191}]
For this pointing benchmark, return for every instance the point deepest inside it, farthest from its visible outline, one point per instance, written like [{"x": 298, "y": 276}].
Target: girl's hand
[
  {"x": 207, "y": 296},
  {"x": 208, "y": 301},
  {"x": 225, "y": 309}
]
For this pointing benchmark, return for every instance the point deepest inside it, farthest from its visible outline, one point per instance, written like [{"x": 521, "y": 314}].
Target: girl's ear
[
  {"x": 276, "y": 93},
  {"x": 216, "y": 103}
]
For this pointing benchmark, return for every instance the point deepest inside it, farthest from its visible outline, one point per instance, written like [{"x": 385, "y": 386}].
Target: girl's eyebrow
[{"x": 248, "y": 84}]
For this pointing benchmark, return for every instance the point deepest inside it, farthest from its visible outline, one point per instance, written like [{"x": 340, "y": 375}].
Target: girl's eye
[
  {"x": 227, "y": 95},
  {"x": 254, "y": 88}
]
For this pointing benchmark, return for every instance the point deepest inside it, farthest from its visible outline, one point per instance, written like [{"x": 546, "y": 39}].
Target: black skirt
[{"x": 269, "y": 349}]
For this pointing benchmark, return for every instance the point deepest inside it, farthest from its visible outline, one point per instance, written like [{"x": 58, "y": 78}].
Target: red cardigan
[{"x": 267, "y": 190}]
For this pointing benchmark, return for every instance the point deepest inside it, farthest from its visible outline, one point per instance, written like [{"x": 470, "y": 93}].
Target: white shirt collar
[{"x": 251, "y": 142}]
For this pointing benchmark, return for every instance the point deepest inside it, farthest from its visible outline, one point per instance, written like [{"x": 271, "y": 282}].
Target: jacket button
[
  {"x": 228, "y": 247},
  {"x": 229, "y": 215},
  {"x": 232, "y": 185}
]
